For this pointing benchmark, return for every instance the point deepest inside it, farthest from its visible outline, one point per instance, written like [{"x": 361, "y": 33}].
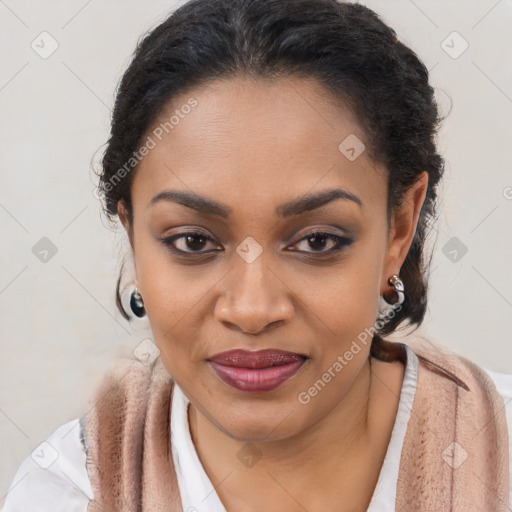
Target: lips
[
  {"x": 259, "y": 371},
  {"x": 260, "y": 359}
]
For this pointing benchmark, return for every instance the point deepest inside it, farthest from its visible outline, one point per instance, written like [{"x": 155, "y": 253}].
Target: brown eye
[
  {"x": 318, "y": 241},
  {"x": 189, "y": 242}
]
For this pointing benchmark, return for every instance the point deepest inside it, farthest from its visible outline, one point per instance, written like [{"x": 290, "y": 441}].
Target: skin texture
[{"x": 253, "y": 145}]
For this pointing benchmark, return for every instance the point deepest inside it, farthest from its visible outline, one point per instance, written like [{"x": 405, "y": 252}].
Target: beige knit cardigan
[{"x": 454, "y": 457}]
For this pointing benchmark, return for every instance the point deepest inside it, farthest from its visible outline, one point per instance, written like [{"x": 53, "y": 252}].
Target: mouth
[{"x": 256, "y": 372}]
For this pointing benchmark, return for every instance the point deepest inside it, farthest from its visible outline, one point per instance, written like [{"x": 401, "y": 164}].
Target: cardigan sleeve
[{"x": 53, "y": 478}]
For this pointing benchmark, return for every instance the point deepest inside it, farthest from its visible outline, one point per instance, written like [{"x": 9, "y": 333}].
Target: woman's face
[{"x": 253, "y": 160}]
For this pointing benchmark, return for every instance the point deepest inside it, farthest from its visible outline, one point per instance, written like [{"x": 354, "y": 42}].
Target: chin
[{"x": 258, "y": 422}]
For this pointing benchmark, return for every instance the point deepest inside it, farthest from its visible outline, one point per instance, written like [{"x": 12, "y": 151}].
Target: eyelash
[{"x": 340, "y": 243}]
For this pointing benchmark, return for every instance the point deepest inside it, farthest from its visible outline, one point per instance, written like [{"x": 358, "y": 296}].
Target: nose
[{"x": 254, "y": 298}]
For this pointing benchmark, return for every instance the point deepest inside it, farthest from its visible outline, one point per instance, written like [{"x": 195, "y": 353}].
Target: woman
[{"x": 274, "y": 166}]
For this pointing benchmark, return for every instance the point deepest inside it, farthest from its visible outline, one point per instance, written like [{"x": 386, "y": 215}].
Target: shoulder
[
  {"x": 451, "y": 383},
  {"x": 125, "y": 392},
  {"x": 128, "y": 394},
  {"x": 482, "y": 401},
  {"x": 126, "y": 375},
  {"x": 128, "y": 385},
  {"x": 453, "y": 366},
  {"x": 503, "y": 383},
  {"x": 127, "y": 430},
  {"x": 53, "y": 477}
]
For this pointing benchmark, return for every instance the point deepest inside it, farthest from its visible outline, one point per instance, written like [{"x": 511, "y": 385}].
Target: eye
[
  {"x": 182, "y": 242},
  {"x": 194, "y": 242},
  {"x": 319, "y": 239}
]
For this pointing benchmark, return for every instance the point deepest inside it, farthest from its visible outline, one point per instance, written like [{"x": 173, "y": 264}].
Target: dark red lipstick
[{"x": 263, "y": 370}]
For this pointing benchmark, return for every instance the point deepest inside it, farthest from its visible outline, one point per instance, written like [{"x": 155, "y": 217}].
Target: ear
[
  {"x": 403, "y": 228},
  {"x": 122, "y": 213}
]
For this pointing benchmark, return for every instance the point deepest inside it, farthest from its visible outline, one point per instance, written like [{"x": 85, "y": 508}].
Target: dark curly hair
[{"x": 344, "y": 46}]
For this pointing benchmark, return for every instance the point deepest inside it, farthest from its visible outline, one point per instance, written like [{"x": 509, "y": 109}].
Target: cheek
[
  {"x": 343, "y": 327},
  {"x": 177, "y": 303},
  {"x": 344, "y": 299}
]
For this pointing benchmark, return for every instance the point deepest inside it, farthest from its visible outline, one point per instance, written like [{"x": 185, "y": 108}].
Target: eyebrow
[{"x": 291, "y": 208}]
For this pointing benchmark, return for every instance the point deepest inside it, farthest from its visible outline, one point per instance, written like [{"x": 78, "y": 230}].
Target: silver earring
[
  {"x": 398, "y": 287},
  {"x": 137, "y": 304}
]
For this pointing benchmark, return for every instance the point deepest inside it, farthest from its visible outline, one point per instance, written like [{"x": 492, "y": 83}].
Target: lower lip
[{"x": 256, "y": 380}]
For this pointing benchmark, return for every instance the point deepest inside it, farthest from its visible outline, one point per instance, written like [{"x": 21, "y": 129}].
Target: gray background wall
[{"x": 59, "y": 326}]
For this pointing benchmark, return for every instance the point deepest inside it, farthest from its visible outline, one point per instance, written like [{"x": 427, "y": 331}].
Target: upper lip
[{"x": 256, "y": 359}]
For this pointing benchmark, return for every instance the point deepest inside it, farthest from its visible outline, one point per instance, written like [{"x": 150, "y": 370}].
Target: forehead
[{"x": 257, "y": 139}]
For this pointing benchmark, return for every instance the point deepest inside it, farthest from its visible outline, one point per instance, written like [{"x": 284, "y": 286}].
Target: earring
[
  {"x": 398, "y": 287},
  {"x": 136, "y": 303}
]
